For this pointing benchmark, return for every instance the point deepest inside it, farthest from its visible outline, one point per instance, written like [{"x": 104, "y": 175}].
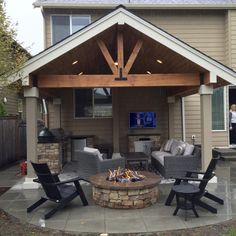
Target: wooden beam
[
  {"x": 107, "y": 56},
  {"x": 120, "y": 47},
  {"x": 133, "y": 56},
  {"x": 137, "y": 80},
  {"x": 182, "y": 91}
]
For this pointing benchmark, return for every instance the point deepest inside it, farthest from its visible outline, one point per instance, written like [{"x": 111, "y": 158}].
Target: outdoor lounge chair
[
  {"x": 57, "y": 191},
  {"x": 196, "y": 198}
]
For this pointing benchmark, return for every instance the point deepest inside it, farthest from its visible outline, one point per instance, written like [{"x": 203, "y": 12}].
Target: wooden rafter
[
  {"x": 136, "y": 80},
  {"x": 120, "y": 48},
  {"x": 133, "y": 56},
  {"x": 107, "y": 56}
]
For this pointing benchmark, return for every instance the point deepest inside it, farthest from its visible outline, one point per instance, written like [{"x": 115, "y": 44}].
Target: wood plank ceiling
[{"x": 124, "y": 45}]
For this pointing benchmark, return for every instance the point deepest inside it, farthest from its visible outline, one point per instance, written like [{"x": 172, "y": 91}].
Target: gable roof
[
  {"x": 225, "y": 4},
  {"x": 123, "y": 16}
]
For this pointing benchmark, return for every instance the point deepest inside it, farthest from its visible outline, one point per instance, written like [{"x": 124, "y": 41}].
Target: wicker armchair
[{"x": 90, "y": 164}]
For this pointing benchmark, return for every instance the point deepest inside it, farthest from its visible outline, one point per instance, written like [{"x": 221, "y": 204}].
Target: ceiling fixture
[
  {"x": 159, "y": 61},
  {"x": 80, "y": 73},
  {"x": 74, "y": 62},
  {"x": 148, "y": 72},
  {"x": 116, "y": 63}
]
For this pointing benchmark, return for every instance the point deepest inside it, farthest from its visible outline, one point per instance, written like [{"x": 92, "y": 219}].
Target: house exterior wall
[
  {"x": 12, "y": 103},
  {"x": 152, "y": 99},
  {"x": 210, "y": 31}
]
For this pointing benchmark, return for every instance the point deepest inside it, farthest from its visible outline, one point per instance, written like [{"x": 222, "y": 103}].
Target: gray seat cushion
[{"x": 159, "y": 156}]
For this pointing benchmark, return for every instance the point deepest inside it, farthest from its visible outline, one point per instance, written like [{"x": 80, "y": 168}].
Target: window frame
[
  {"x": 70, "y": 20},
  {"x": 93, "y": 117},
  {"x": 225, "y": 120}
]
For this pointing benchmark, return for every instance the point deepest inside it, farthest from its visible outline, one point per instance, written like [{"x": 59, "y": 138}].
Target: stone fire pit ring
[{"x": 133, "y": 195}]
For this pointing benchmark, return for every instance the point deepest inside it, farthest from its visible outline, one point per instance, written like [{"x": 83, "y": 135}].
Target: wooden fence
[{"x": 12, "y": 139}]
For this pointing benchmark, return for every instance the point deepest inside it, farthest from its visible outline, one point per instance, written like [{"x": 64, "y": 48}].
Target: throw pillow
[
  {"x": 188, "y": 149},
  {"x": 168, "y": 145},
  {"x": 177, "y": 150},
  {"x": 94, "y": 151}
]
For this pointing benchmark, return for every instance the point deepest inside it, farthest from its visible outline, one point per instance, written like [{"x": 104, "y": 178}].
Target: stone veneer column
[
  {"x": 206, "y": 124},
  {"x": 171, "y": 103},
  {"x": 31, "y": 95}
]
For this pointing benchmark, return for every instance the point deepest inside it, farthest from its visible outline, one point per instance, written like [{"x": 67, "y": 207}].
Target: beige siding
[
  {"x": 142, "y": 99},
  {"x": 231, "y": 38},
  {"x": 193, "y": 123},
  {"x": 12, "y": 102},
  {"x": 102, "y": 128},
  {"x": 202, "y": 29},
  {"x": 130, "y": 99}
]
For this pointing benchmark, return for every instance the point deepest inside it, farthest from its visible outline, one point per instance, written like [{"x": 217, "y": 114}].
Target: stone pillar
[
  {"x": 115, "y": 116},
  {"x": 171, "y": 118},
  {"x": 31, "y": 96},
  {"x": 206, "y": 92}
]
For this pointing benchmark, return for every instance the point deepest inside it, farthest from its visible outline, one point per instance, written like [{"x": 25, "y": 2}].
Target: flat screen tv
[{"x": 142, "y": 119}]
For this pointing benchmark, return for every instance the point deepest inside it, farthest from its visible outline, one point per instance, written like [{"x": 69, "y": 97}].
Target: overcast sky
[{"x": 30, "y": 24}]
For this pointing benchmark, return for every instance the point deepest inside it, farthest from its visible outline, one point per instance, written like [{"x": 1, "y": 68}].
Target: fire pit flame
[{"x": 124, "y": 175}]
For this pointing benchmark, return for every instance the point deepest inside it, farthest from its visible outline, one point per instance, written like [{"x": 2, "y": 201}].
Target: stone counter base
[{"x": 126, "y": 199}]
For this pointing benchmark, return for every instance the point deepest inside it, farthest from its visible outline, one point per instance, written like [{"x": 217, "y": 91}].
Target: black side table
[{"x": 183, "y": 198}]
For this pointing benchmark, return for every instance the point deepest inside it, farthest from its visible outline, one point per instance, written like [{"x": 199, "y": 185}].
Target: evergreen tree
[{"x": 12, "y": 55}]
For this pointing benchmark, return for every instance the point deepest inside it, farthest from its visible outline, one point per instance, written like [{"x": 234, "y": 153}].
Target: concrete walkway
[{"x": 92, "y": 218}]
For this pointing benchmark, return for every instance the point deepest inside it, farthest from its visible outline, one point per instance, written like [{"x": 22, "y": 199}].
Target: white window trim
[
  {"x": 70, "y": 18},
  {"x": 225, "y": 118},
  {"x": 92, "y": 117}
]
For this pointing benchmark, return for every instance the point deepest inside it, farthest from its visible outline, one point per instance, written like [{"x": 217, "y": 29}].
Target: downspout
[
  {"x": 183, "y": 119},
  {"x": 45, "y": 112}
]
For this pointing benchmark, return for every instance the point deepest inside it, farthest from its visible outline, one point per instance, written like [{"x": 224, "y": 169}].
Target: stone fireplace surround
[{"x": 131, "y": 195}]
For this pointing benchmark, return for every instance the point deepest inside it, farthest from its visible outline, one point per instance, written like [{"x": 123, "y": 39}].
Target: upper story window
[
  {"x": 64, "y": 25},
  {"x": 218, "y": 109}
]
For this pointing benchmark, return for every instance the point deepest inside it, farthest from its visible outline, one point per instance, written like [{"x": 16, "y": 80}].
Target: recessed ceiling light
[
  {"x": 159, "y": 61},
  {"x": 73, "y": 63},
  {"x": 148, "y": 72},
  {"x": 80, "y": 73}
]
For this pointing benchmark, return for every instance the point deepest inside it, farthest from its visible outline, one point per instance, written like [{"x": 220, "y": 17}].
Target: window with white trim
[
  {"x": 64, "y": 25},
  {"x": 218, "y": 108},
  {"x": 93, "y": 103}
]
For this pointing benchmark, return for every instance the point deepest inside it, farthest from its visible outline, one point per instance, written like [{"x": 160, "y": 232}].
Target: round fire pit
[{"x": 130, "y": 195}]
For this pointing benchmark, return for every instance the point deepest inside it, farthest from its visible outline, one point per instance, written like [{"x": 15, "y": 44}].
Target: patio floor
[{"x": 92, "y": 218}]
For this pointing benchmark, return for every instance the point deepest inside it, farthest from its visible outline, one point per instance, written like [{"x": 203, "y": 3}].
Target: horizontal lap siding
[
  {"x": 12, "y": 103},
  {"x": 204, "y": 30},
  {"x": 232, "y": 38},
  {"x": 142, "y": 99},
  {"x": 193, "y": 123},
  {"x": 102, "y": 128}
]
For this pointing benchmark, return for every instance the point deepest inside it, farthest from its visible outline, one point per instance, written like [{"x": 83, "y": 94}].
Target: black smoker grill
[{"x": 46, "y": 136}]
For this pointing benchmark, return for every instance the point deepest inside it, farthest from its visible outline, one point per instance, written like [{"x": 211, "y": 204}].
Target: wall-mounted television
[{"x": 142, "y": 119}]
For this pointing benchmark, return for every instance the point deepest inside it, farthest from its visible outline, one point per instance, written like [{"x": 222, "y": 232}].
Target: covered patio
[
  {"x": 157, "y": 219},
  {"x": 144, "y": 67}
]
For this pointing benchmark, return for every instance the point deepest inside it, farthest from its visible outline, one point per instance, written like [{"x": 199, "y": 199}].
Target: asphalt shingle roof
[{"x": 141, "y": 2}]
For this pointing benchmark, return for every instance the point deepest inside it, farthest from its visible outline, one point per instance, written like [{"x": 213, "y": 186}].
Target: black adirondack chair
[
  {"x": 55, "y": 190},
  {"x": 209, "y": 174}
]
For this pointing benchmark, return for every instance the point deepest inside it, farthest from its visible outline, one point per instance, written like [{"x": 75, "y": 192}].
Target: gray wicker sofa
[
  {"x": 171, "y": 166},
  {"x": 89, "y": 164}
]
